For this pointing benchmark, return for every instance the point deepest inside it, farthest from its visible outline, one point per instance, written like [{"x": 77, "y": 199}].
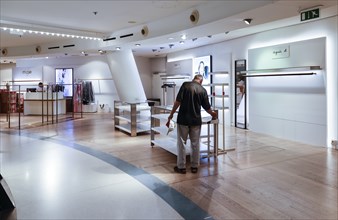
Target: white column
[{"x": 126, "y": 76}]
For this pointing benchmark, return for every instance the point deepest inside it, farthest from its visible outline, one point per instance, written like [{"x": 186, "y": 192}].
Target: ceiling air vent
[
  {"x": 126, "y": 35},
  {"x": 144, "y": 31},
  {"x": 194, "y": 17},
  {"x": 69, "y": 45},
  {"x": 52, "y": 48},
  {"x": 108, "y": 39},
  {"x": 37, "y": 49},
  {"x": 4, "y": 52}
]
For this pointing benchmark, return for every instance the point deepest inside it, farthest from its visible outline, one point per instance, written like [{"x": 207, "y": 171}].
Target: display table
[
  {"x": 160, "y": 136},
  {"x": 37, "y": 102}
]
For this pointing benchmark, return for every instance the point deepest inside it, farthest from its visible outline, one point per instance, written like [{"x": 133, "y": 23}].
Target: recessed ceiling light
[
  {"x": 118, "y": 48},
  {"x": 131, "y": 22},
  {"x": 247, "y": 20},
  {"x": 183, "y": 37},
  {"x": 137, "y": 45},
  {"x": 182, "y": 42}
]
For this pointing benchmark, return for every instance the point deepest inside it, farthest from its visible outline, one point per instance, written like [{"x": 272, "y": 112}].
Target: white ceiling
[{"x": 219, "y": 20}]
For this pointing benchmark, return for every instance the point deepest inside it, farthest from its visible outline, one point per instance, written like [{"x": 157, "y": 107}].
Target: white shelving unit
[
  {"x": 220, "y": 100},
  {"x": 160, "y": 137},
  {"x": 132, "y": 118}
]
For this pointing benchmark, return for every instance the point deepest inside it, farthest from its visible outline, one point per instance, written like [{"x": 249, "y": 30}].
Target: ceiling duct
[
  {"x": 145, "y": 31},
  {"x": 194, "y": 17}
]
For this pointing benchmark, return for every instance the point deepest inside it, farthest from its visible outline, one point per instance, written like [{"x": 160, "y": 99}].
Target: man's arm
[{"x": 173, "y": 110}]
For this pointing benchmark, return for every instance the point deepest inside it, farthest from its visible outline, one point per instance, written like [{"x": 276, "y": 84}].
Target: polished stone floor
[{"x": 85, "y": 169}]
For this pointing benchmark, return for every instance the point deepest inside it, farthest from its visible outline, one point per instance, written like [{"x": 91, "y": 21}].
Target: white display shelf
[
  {"x": 170, "y": 144},
  {"x": 139, "y": 107},
  {"x": 128, "y": 118},
  {"x": 221, "y": 101},
  {"x": 139, "y": 128},
  {"x": 161, "y": 138},
  {"x": 132, "y": 118}
]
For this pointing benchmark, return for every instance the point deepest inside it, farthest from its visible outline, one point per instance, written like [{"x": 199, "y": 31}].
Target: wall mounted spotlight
[
  {"x": 194, "y": 17},
  {"x": 145, "y": 31},
  {"x": 247, "y": 20}
]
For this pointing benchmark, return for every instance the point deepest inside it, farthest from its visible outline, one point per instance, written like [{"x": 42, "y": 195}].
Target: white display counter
[{"x": 37, "y": 102}]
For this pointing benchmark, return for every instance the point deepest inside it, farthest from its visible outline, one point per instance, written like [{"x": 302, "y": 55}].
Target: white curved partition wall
[{"x": 125, "y": 74}]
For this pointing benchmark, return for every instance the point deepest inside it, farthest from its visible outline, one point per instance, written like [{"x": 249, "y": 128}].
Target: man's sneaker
[
  {"x": 194, "y": 169},
  {"x": 178, "y": 170}
]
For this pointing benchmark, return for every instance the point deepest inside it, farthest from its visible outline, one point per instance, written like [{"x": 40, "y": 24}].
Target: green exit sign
[{"x": 308, "y": 15}]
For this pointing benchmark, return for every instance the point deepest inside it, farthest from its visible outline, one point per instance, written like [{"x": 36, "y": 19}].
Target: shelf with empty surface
[
  {"x": 133, "y": 118},
  {"x": 168, "y": 141}
]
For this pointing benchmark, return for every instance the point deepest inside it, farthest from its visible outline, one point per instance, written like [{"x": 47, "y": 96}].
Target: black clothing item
[
  {"x": 88, "y": 94},
  {"x": 191, "y": 96}
]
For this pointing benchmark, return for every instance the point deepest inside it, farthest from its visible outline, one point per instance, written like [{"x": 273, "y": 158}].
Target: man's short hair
[{"x": 198, "y": 76}]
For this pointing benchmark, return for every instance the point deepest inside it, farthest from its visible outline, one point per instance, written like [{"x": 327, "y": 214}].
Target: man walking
[{"x": 190, "y": 98}]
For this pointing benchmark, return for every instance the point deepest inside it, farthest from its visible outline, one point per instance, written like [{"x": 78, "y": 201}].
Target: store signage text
[
  {"x": 280, "y": 52},
  {"x": 26, "y": 72}
]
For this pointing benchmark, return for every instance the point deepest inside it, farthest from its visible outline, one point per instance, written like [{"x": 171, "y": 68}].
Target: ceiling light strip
[{"x": 24, "y": 31}]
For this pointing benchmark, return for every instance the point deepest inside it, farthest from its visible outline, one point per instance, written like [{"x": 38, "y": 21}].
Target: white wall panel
[{"x": 291, "y": 106}]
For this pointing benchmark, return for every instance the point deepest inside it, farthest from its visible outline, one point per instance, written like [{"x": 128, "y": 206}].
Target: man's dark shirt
[{"x": 191, "y": 96}]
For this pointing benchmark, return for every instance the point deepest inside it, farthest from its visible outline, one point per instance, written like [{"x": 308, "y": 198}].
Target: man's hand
[
  {"x": 168, "y": 122},
  {"x": 214, "y": 115}
]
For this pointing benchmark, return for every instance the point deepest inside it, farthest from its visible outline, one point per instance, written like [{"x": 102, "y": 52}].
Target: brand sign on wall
[
  {"x": 27, "y": 75},
  {"x": 280, "y": 52}
]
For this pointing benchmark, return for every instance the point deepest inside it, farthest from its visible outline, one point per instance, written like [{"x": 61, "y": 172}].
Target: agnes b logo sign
[
  {"x": 27, "y": 72},
  {"x": 280, "y": 52}
]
